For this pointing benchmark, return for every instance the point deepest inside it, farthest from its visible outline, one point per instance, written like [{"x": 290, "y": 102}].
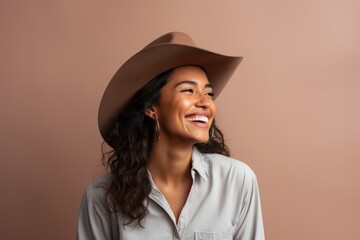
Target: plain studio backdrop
[{"x": 291, "y": 111}]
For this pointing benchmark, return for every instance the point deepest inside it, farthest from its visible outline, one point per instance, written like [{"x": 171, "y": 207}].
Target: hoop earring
[{"x": 157, "y": 128}]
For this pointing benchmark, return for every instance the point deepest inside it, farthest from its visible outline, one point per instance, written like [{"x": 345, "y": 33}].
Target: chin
[
  {"x": 200, "y": 137},
  {"x": 202, "y": 140}
]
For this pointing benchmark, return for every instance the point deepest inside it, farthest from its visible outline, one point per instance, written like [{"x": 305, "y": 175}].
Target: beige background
[{"x": 291, "y": 111}]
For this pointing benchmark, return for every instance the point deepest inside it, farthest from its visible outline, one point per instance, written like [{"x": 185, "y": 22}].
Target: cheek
[
  {"x": 181, "y": 105},
  {"x": 213, "y": 108},
  {"x": 174, "y": 108}
]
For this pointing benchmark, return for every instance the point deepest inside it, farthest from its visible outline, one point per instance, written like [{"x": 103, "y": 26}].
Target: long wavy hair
[{"x": 131, "y": 141}]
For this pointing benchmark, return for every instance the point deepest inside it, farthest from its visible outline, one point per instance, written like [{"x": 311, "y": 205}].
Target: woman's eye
[
  {"x": 188, "y": 90},
  {"x": 192, "y": 91},
  {"x": 211, "y": 94}
]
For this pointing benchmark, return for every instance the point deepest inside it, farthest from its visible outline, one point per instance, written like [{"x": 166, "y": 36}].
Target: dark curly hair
[{"x": 131, "y": 140}]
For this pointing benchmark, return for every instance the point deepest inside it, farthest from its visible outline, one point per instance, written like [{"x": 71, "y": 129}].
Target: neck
[{"x": 168, "y": 163}]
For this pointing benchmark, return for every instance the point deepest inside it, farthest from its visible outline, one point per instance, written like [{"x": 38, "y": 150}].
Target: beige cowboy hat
[{"x": 172, "y": 50}]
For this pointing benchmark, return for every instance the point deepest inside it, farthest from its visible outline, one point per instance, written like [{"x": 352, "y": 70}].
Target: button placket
[{"x": 181, "y": 224}]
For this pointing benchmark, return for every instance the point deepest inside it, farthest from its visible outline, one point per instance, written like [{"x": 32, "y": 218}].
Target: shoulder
[
  {"x": 96, "y": 220},
  {"x": 96, "y": 191},
  {"x": 226, "y": 163},
  {"x": 228, "y": 167}
]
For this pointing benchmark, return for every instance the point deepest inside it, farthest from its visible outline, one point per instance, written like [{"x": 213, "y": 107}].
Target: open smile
[{"x": 199, "y": 120}]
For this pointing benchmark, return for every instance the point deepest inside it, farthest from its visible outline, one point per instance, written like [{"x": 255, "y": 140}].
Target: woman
[{"x": 170, "y": 175}]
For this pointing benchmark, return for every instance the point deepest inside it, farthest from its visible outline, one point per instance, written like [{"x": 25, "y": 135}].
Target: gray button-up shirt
[{"x": 223, "y": 203}]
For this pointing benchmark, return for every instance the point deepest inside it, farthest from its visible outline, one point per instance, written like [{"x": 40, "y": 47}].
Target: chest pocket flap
[{"x": 227, "y": 235}]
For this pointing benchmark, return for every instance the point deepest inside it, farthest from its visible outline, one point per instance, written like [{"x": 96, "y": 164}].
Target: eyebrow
[{"x": 208, "y": 85}]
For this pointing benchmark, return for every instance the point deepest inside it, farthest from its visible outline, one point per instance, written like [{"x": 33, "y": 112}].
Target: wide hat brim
[{"x": 153, "y": 60}]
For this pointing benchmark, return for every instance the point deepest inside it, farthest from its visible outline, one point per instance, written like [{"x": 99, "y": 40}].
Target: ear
[{"x": 151, "y": 112}]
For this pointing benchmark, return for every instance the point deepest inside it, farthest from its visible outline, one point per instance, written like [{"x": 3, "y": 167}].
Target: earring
[{"x": 157, "y": 128}]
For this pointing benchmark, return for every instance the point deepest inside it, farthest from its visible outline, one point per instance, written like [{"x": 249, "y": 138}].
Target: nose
[{"x": 203, "y": 101}]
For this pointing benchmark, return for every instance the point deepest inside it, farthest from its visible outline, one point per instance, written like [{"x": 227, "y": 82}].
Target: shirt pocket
[{"x": 226, "y": 235}]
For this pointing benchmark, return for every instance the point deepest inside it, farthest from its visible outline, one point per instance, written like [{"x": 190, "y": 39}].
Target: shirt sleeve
[
  {"x": 94, "y": 222},
  {"x": 250, "y": 225}
]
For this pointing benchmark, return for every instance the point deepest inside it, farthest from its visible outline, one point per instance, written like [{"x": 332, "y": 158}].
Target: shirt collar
[{"x": 198, "y": 163}]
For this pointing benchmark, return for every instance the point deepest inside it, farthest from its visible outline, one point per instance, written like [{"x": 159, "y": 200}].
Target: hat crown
[{"x": 179, "y": 38}]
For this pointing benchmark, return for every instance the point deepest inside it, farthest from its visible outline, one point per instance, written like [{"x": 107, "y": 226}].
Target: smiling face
[{"x": 186, "y": 108}]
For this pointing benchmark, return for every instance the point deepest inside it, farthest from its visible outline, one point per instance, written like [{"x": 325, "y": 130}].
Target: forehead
[{"x": 191, "y": 73}]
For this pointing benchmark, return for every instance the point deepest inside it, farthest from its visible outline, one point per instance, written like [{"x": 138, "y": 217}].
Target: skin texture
[{"x": 187, "y": 95}]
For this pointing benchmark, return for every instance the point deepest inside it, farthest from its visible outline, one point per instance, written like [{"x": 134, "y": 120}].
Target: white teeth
[{"x": 198, "y": 118}]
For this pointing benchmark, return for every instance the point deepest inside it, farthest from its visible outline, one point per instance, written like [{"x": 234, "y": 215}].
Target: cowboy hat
[{"x": 172, "y": 50}]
